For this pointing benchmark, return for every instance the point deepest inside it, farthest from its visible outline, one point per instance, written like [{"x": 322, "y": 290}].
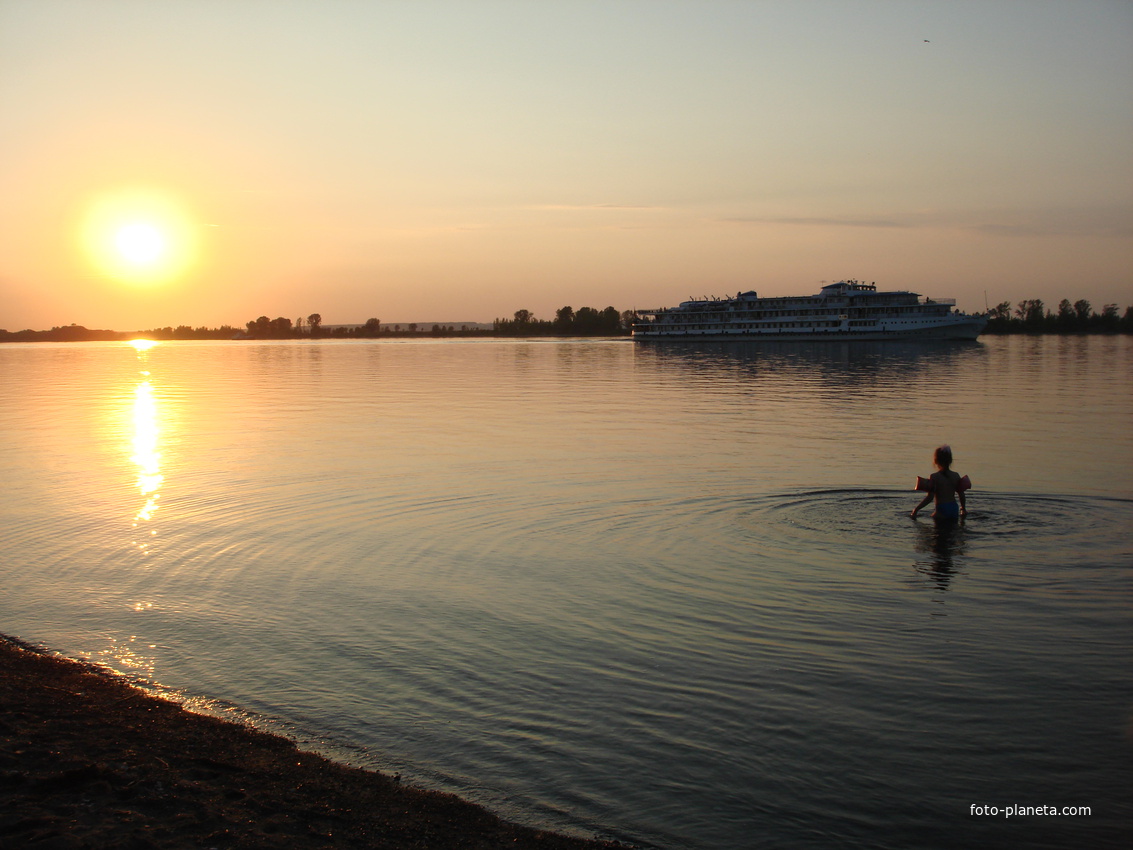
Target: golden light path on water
[
  {"x": 145, "y": 441},
  {"x": 146, "y": 433}
]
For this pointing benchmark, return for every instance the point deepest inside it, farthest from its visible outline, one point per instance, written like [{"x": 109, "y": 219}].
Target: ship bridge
[{"x": 844, "y": 286}]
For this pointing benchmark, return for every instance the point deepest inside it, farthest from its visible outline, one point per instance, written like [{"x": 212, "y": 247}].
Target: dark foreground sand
[{"x": 87, "y": 761}]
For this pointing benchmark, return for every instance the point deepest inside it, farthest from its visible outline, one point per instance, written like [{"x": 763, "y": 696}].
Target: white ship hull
[
  {"x": 847, "y": 310},
  {"x": 960, "y": 330}
]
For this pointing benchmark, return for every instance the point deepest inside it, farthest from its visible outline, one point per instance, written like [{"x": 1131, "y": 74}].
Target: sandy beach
[{"x": 89, "y": 761}]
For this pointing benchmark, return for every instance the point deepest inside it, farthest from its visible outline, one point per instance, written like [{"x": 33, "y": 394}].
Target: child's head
[{"x": 942, "y": 457}]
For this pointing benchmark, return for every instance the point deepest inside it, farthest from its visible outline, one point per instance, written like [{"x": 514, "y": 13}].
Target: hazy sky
[{"x": 457, "y": 161}]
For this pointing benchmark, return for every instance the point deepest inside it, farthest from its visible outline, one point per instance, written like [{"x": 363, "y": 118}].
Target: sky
[{"x": 212, "y": 161}]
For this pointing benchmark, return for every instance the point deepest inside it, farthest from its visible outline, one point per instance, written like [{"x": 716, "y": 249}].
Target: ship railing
[{"x": 948, "y": 302}]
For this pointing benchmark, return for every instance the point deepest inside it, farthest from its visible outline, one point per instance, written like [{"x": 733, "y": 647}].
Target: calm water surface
[{"x": 666, "y": 594}]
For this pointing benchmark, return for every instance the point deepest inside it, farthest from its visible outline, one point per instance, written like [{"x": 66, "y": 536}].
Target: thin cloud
[
  {"x": 820, "y": 222},
  {"x": 1096, "y": 222},
  {"x": 595, "y": 207}
]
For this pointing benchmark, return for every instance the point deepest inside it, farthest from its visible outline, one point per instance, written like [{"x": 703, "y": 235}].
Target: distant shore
[
  {"x": 78, "y": 333},
  {"x": 1108, "y": 325},
  {"x": 87, "y": 760}
]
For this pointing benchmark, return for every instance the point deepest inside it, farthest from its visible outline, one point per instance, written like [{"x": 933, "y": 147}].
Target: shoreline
[{"x": 89, "y": 760}]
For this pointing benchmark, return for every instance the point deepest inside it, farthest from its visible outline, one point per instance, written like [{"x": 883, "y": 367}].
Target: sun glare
[
  {"x": 140, "y": 243},
  {"x": 139, "y": 236}
]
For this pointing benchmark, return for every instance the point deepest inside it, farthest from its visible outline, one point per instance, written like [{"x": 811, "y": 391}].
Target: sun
[
  {"x": 140, "y": 243},
  {"x": 139, "y": 236}
]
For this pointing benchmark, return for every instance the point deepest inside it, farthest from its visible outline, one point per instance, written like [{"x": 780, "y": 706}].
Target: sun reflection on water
[{"x": 146, "y": 442}]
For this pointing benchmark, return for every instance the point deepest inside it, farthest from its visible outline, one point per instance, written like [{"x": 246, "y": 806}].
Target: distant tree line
[
  {"x": 79, "y": 333},
  {"x": 313, "y": 327},
  {"x": 1028, "y": 316},
  {"x": 586, "y": 321},
  {"x": 1032, "y": 316}
]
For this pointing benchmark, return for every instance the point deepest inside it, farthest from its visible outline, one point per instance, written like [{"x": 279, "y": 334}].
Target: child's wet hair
[{"x": 942, "y": 456}]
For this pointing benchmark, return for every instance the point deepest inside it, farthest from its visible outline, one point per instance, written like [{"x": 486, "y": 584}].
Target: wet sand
[{"x": 88, "y": 761}]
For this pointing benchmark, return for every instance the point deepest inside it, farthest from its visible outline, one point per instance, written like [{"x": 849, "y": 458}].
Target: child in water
[{"x": 945, "y": 486}]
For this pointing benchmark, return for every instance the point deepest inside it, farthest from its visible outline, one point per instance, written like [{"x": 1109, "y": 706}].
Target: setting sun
[
  {"x": 139, "y": 236},
  {"x": 140, "y": 243}
]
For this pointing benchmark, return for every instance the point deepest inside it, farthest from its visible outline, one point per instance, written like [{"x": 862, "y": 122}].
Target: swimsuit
[{"x": 947, "y": 510}]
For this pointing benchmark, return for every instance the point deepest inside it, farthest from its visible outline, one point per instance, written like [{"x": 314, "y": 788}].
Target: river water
[{"x": 669, "y": 594}]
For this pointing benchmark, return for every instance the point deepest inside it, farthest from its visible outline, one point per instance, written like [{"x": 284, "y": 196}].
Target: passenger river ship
[{"x": 848, "y": 309}]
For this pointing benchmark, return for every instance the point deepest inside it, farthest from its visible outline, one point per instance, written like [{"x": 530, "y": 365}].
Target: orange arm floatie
[{"x": 925, "y": 484}]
